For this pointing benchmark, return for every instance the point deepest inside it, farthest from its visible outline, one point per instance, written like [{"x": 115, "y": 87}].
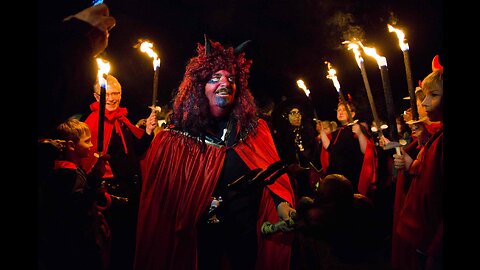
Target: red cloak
[
  {"x": 112, "y": 120},
  {"x": 419, "y": 226},
  {"x": 178, "y": 183}
]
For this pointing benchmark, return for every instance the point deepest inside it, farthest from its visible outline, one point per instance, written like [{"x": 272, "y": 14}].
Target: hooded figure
[{"x": 216, "y": 138}]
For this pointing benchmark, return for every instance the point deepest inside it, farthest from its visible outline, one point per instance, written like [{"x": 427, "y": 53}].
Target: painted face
[
  {"x": 113, "y": 96},
  {"x": 433, "y": 101},
  {"x": 295, "y": 117},
  {"x": 82, "y": 148},
  {"x": 220, "y": 91}
]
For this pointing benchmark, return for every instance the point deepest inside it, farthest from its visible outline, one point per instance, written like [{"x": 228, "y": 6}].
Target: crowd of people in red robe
[{"x": 220, "y": 187}]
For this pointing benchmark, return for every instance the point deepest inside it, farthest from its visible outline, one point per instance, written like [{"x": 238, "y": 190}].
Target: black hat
[{"x": 302, "y": 103}]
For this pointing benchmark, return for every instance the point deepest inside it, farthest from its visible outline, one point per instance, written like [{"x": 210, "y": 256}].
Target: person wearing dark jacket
[{"x": 72, "y": 231}]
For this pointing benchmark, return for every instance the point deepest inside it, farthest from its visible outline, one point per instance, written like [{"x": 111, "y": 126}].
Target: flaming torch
[
  {"x": 382, "y": 65},
  {"x": 103, "y": 69},
  {"x": 355, "y": 48},
  {"x": 301, "y": 85},
  {"x": 332, "y": 76},
  {"x": 146, "y": 47},
  {"x": 406, "y": 59}
]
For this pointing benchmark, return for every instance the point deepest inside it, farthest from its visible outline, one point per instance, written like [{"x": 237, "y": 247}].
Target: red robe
[
  {"x": 419, "y": 226},
  {"x": 324, "y": 154},
  {"x": 177, "y": 187},
  {"x": 368, "y": 174},
  {"x": 112, "y": 121}
]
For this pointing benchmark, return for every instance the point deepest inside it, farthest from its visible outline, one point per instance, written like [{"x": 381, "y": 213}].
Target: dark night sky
[{"x": 290, "y": 41}]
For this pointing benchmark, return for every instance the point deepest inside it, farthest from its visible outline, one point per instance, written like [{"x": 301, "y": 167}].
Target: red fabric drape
[
  {"x": 419, "y": 225},
  {"x": 324, "y": 157},
  {"x": 433, "y": 127},
  {"x": 112, "y": 120},
  {"x": 258, "y": 151},
  {"x": 368, "y": 174},
  {"x": 177, "y": 186}
]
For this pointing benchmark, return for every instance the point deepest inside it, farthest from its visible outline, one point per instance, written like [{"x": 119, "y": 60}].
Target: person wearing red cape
[
  {"x": 350, "y": 151},
  {"x": 216, "y": 138},
  {"x": 417, "y": 241}
]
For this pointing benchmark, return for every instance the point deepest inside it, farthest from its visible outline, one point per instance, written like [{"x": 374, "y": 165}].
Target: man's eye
[
  {"x": 231, "y": 79},
  {"x": 214, "y": 79}
]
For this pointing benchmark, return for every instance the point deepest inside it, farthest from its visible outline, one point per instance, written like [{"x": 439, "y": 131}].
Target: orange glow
[
  {"x": 381, "y": 61},
  {"x": 401, "y": 37},
  {"x": 331, "y": 75},
  {"x": 103, "y": 68},
  {"x": 146, "y": 47},
  {"x": 302, "y": 86}
]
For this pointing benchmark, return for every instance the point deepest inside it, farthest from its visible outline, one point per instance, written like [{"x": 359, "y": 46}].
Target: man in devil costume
[{"x": 215, "y": 140}]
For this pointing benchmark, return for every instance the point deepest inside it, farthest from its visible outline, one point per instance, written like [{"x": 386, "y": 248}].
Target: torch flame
[
  {"x": 103, "y": 68},
  {"x": 302, "y": 86},
  {"x": 381, "y": 61},
  {"x": 146, "y": 47},
  {"x": 401, "y": 37},
  {"x": 352, "y": 45},
  {"x": 331, "y": 75}
]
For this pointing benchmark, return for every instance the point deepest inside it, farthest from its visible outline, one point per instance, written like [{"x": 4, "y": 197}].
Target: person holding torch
[
  {"x": 351, "y": 150},
  {"x": 124, "y": 143},
  {"x": 417, "y": 241},
  {"x": 216, "y": 139}
]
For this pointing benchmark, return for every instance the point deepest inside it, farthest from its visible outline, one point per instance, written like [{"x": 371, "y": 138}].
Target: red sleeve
[
  {"x": 259, "y": 151},
  {"x": 178, "y": 180},
  {"x": 368, "y": 174}
]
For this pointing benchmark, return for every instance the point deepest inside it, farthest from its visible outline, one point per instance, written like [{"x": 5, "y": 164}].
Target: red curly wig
[{"x": 191, "y": 112}]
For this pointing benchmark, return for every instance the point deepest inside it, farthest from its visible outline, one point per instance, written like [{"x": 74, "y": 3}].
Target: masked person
[{"x": 216, "y": 138}]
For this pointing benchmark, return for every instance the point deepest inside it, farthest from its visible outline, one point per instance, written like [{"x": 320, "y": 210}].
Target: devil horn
[
  {"x": 240, "y": 47},
  {"x": 207, "y": 45},
  {"x": 436, "y": 64},
  {"x": 350, "y": 100}
]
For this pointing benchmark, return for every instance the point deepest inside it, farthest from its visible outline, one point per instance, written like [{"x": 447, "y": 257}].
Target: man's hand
[
  {"x": 403, "y": 161},
  {"x": 99, "y": 17},
  {"x": 151, "y": 123},
  {"x": 285, "y": 211},
  {"x": 100, "y": 166}
]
